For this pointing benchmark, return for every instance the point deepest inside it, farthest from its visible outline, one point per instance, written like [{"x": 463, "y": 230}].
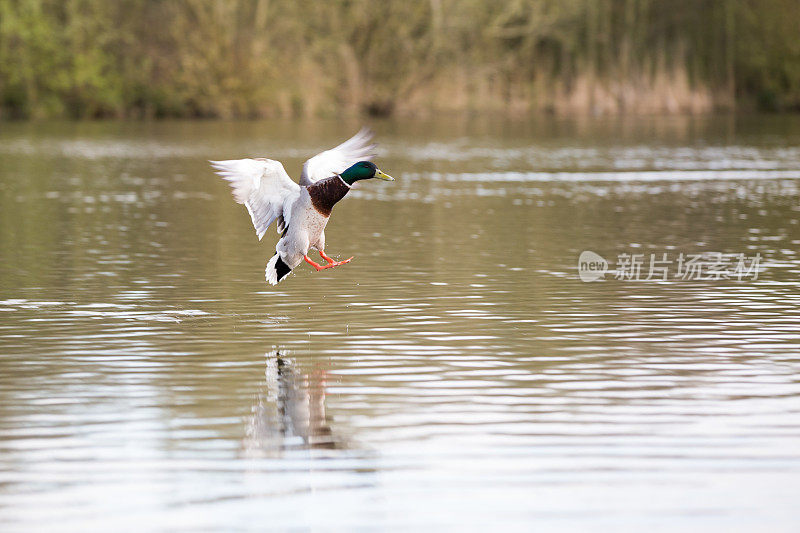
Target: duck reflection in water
[{"x": 290, "y": 414}]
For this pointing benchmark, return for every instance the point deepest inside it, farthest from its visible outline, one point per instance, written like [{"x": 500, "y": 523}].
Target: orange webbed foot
[{"x": 331, "y": 262}]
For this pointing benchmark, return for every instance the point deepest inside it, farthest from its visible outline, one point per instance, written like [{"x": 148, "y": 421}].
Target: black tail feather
[{"x": 282, "y": 269}]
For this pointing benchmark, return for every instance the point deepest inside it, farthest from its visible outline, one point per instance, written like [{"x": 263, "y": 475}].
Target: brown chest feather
[{"x": 325, "y": 193}]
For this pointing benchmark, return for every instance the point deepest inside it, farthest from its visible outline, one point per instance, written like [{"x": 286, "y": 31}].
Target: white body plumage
[{"x": 306, "y": 231}]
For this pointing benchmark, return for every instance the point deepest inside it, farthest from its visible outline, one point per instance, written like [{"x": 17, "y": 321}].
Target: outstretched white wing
[
  {"x": 263, "y": 186},
  {"x": 337, "y": 160}
]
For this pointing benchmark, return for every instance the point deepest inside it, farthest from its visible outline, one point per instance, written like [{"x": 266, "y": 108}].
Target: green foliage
[
  {"x": 768, "y": 53},
  {"x": 250, "y": 58}
]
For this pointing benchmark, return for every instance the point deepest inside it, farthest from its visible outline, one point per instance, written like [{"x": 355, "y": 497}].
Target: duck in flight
[{"x": 303, "y": 210}]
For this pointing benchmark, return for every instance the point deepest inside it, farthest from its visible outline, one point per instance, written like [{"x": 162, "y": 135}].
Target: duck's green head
[{"x": 364, "y": 170}]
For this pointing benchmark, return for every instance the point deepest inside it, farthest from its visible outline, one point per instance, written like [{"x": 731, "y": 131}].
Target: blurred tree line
[{"x": 254, "y": 58}]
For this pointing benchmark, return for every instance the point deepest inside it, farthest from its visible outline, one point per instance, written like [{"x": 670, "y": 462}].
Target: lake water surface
[{"x": 457, "y": 375}]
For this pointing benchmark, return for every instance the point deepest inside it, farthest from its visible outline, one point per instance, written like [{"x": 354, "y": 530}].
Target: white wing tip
[
  {"x": 365, "y": 132},
  {"x": 220, "y": 165}
]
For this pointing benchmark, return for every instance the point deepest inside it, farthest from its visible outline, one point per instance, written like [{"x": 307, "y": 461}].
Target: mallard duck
[{"x": 303, "y": 210}]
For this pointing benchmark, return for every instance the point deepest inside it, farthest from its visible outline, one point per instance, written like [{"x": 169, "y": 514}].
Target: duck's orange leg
[
  {"x": 317, "y": 266},
  {"x": 331, "y": 262}
]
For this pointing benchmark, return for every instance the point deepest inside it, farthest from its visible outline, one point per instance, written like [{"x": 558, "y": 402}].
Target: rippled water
[{"x": 456, "y": 375}]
